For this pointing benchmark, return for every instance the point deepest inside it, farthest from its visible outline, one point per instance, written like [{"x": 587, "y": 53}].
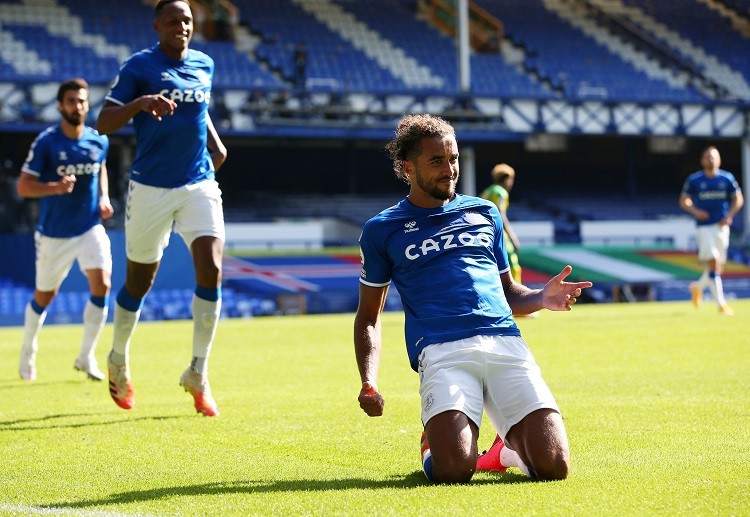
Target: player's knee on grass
[
  {"x": 551, "y": 466},
  {"x": 542, "y": 443},
  {"x": 453, "y": 466}
]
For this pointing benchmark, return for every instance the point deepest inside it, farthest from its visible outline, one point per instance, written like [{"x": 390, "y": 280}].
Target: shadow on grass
[
  {"x": 27, "y": 424},
  {"x": 414, "y": 480},
  {"x": 28, "y": 385}
]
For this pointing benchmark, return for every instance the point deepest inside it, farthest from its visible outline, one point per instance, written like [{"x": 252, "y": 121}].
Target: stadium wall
[{"x": 17, "y": 263}]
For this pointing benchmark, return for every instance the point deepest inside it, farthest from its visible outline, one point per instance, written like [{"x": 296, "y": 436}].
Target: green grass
[{"x": 656, "y": 400}]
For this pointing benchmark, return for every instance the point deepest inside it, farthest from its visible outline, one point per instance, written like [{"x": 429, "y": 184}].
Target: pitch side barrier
[{"x": 678, "y": 232}]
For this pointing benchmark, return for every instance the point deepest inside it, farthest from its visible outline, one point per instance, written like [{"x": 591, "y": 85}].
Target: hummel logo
[
  {"x": 62, "y": 155},
  {"x": 166, "y": 76},
  {"x": 411, "y": 226}
]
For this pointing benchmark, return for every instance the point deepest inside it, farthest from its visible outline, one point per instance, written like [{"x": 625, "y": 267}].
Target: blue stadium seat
[
  {"x": 573, "y": 60},
  {"x": 706, "y": 28}
]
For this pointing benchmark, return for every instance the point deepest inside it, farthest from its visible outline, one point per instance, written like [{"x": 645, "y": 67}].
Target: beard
[
  {"x": 74, "y": 119},
  {"x": 434, "y": 190}
]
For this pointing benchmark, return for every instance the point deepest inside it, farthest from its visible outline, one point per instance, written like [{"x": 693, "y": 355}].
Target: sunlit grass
[{"x": 656, "y": 400}]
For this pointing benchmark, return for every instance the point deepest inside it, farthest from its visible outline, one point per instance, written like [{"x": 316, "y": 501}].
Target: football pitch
[{"x": 655, "y": 396}]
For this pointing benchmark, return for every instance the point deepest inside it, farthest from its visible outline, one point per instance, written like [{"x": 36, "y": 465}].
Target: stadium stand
[
  {"x": 699, "y": 34},
  {"x": 333, "y": 62},
  {"x": 365, "y": 64},
  {"x": 360, "y": 49},
  {"x": 591, "y": 63}
]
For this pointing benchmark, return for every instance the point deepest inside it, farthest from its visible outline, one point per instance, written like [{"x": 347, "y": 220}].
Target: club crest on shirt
[
  {"x": 465, "y": 220},
  {"x": 203, "y": 77},
  {"x": 474, "y": 218},
  {"x": 62, "y": 155}
]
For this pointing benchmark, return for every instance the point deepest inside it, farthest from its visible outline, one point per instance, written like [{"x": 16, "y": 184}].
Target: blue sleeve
[
  {"x": 734, "y": 187},
  {"x": 376, "y": 267},
  {"x": 686, "y": 190},
  {"x": 37, "y": 157},
  {"x": 125, "y": 86}
]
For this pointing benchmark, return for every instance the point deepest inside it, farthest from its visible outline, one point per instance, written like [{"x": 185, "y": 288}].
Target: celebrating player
[
  {"x": 445, "y": 253},
  {"x": 166, "y": 90},
  {"x": 66, "y": 169}
]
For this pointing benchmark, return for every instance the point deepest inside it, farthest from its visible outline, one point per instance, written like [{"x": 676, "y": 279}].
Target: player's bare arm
[
  {"x": 686, "y": 203},
  {"x": 557, "y": 294},
  {"x": 216, "y": 147},
  {"x": 29, "y": 186},
  {"x": 736, "y": 205},
  {"x": 521, "y": 299},
  {"x": 368, "y": 345},
  {"x": 105, "y": 205},
  {"x": 114, "y": 116}
]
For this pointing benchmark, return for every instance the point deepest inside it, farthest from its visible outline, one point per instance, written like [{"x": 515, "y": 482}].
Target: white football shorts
[
  {"x": 497, "y": 374},
  {"x": 151, "y": 213},
  {"x": 55, "y": 256},
  {"x": 713, "y": 241}
]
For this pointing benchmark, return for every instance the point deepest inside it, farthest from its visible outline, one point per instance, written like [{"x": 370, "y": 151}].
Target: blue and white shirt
[
  {"x": 711, "y": 194},
  {"x": 170, "y": 153},
  {"x": 53, "y": 155},
  {"x": 446, "y": 263}
]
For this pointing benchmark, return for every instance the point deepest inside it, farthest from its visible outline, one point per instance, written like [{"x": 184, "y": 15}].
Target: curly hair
[{"x": 407, "y": 144}]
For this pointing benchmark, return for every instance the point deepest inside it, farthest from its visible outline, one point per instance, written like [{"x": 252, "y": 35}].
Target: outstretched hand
[
  {"x": 157, "y": 106},
  {"x": 370, "y": 400},
  {"x": 559, "y": 295}
]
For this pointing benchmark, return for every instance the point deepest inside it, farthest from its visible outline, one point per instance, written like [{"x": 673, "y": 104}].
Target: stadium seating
[
  {"x": 706, "y": 28},
  {"x": 160, "y": 304},
  {"x": 332, "y": 63},
  {"x": 491, "y": 74},
  {"x": 581, "y": 66},
  {"x": 362, "y": 49},
  {"x": 357, "y": 209},
  {"x": 609, "y": 208},
  {"x": 90, "y": 39},
  {"x": 350, "y": 208},
  {"x": 742, "y": 7}
]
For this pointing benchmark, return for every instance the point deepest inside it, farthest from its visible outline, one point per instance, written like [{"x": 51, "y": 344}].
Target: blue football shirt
[
  {"x": 446, "y": 264},
  {"x": 711, "y": 194},
  {"x": 170, "y": 153},
  {"x": 53, "y": 155}
]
